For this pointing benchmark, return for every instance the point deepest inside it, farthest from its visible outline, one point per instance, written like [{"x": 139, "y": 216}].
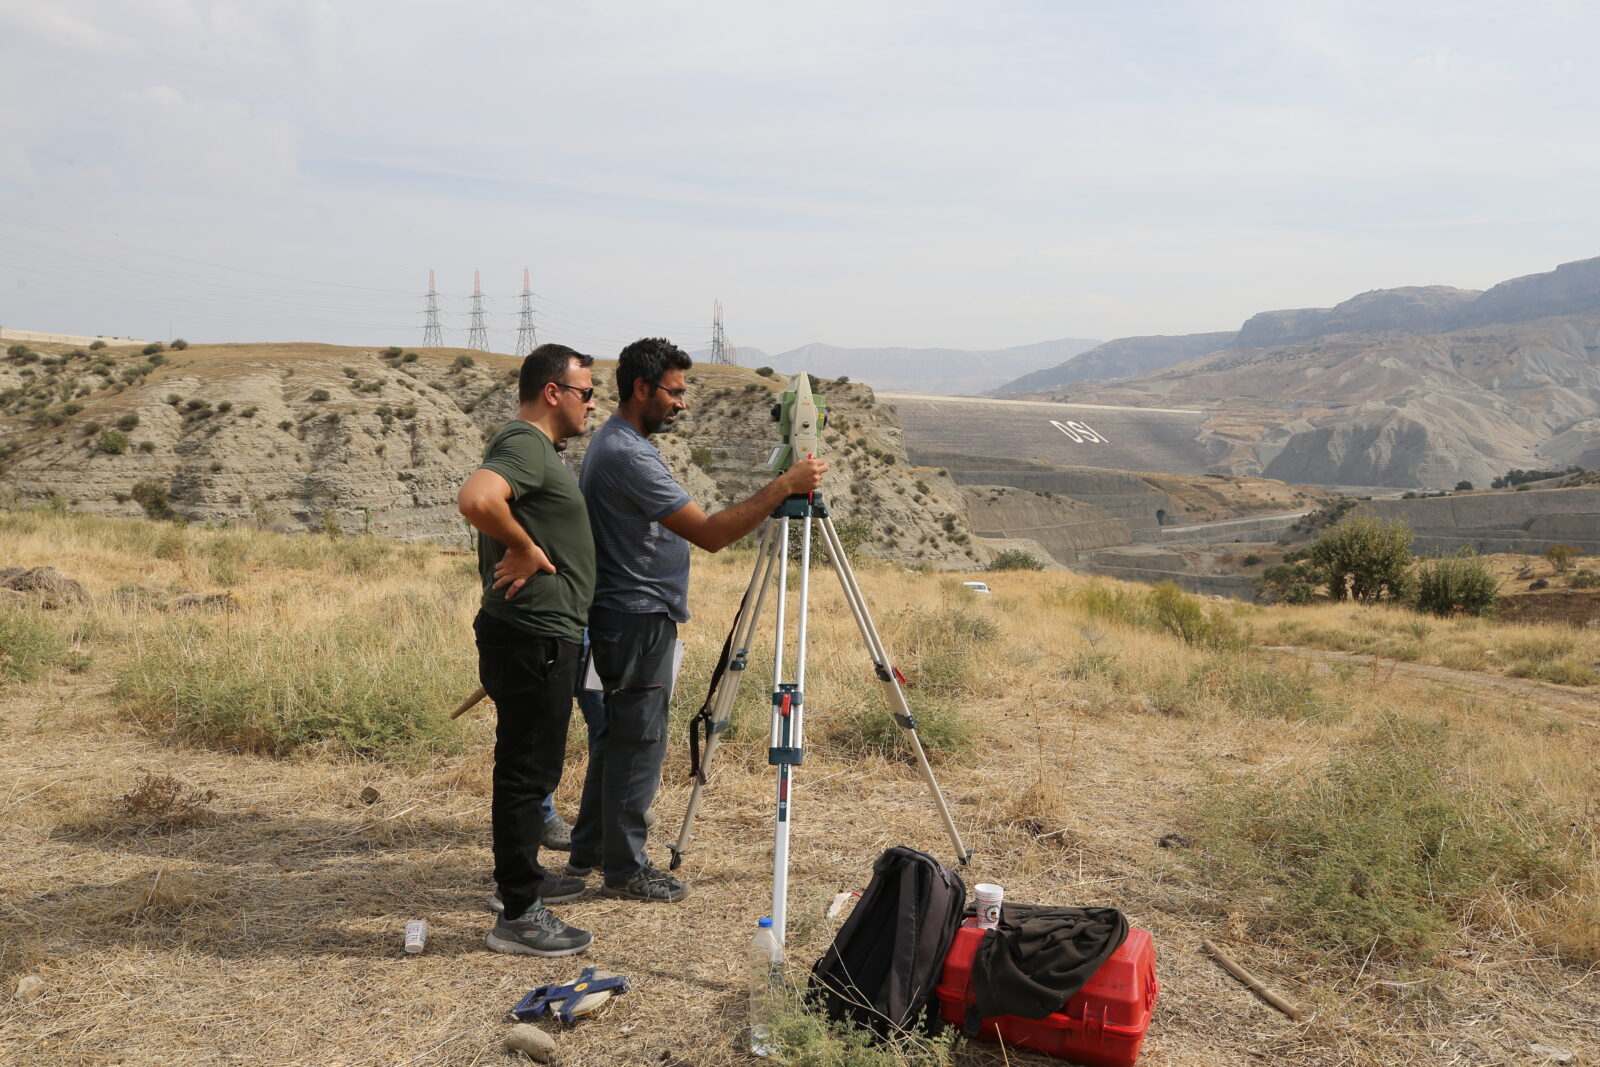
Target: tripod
[{"x": 786, "y": 747}]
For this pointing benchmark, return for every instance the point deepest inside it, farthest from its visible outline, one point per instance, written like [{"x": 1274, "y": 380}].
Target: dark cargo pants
[
  {"x": 530, "y": 679},
  {"x": 633, "y": 656}
]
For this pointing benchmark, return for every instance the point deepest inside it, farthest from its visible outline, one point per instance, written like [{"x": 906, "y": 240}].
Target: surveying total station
[{"x": 801, "y": 416}]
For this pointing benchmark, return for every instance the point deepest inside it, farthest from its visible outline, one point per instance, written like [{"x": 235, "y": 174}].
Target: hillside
[
  {"x": 307, "y": 437},
  {"x": 218, "y": 824},
  {"x": 1404, "y": 387}
]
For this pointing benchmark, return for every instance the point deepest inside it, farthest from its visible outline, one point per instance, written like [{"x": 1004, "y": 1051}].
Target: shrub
[
  {"x": 1461, "y": 584},
  {"x": 1364, "y": 558},
  {"x": 1584, "y": 580},
  {"x": 934, "y": 649},
  {"x": 179, "y": 344},
  {"x": 1183, "y": 616},
  {"x": 29, "y": 642},
  {"x": 147, "y": 446},
  {"x": 409, "y": 357},
  {"x": 1561, "y": 557},
  {"x": 226, "y": 405},
  {"x": 701, "y": 457},
  {"x": 377, "y": 681},
  {"x": 112, "y": 442},
  {"x": 152, "y": 348},
  {"x": 319, "y": 395},
  {"x": 1378, "y": 852},
  {"x": 1463, "y": 486},
  {"x": 18, "y": 351},
  {"x": 152, "y": 496},
  {"x": 127, "y": 422},
  {"x": 462, "y": 362},
  {"x": 1016, "y": 559},
  {"x": 1250, "y": 559},
  {"x": 765, "y": 372}
]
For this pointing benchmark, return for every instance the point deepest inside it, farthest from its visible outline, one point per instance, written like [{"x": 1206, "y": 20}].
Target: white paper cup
[{"x": 989, "y": 898}]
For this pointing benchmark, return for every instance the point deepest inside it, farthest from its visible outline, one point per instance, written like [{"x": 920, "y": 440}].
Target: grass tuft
[{"x": 1379, "y": 852}]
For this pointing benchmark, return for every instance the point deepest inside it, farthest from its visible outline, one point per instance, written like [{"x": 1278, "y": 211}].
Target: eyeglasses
[
  {"x": 676, "y": 394},
  {"x": 584, "y": 395}
]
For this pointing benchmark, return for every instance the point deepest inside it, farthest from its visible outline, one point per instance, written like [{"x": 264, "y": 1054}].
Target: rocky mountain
[
  {"x": 942, "y": 371},
  {"x": 319, "y": 437},
  {"x": 1118, "y": 359},
  {"x": 1419, "y": 386}
]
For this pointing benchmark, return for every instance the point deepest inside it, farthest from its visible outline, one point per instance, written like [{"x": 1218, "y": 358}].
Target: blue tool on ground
[{"x": 566, "y": 1002}]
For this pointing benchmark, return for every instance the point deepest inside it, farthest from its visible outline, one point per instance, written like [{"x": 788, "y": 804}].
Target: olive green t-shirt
[{"x": 545, "y": 501}]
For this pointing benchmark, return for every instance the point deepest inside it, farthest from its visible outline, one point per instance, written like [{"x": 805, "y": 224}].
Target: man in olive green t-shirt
[{"x": 536, "y": 560}]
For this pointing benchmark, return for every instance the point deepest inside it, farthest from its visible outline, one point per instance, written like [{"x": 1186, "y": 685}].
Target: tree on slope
[{"x": 1365, "y": 558}]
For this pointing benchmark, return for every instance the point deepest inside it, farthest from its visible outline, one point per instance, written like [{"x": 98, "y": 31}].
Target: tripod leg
[
  {"x": 886, "y": 675},
  {"x": 788, "y": 720},
  {"x": 728, "y": 687}
]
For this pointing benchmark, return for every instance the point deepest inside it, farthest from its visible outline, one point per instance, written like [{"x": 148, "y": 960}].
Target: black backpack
[{"x": 886, "y": 960}]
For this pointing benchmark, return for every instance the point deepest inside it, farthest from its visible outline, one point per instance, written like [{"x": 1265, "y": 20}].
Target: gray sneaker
[
  {"x": 650, "y": 884},
  {"x": 557, "y": 834},
  {"x": 556, "y": 890},
  {"x": 538, "y": 933},
  {"x": 573, "y": 870}
]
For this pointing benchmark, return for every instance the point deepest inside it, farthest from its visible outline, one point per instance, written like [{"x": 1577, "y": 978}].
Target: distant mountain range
[
  {"x": 942, "y": 371},
  {"x": 1414, "y": 386}
]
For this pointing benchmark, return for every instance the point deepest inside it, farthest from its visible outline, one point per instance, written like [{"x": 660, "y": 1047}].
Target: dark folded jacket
[{"x": 1040, "y": 956}]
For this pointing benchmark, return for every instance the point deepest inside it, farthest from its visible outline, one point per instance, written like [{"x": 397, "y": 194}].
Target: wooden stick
[
  {"x": 1251, "y": 982},
  {"x": 471, "y": 702}
]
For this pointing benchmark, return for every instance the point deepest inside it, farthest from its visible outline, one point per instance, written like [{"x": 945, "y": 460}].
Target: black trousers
[
  {"x": 633, "y": 656},
  {"x": 531, "y": 680}
]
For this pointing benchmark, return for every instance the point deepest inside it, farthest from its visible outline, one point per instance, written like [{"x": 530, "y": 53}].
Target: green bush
[
  {"x": 96, "y": 345},
  {"x": 179, "y": 344},
  {"x": 1463, "y": 486},
  {"x": 1461, "y": 584},
  {"x": 152, "y": 496},
  {"x": 1183, "y": 616},
  {"x": 934, "y": 649},
  {"x": 30, "y": 642},
  {"x": 127, "y": 422},
  {"x": 1016, "y": 559},
  {"x": 409, "y": 357},
  {"x": 701, "y": 457},
  {"x": 462, "y": 362},
  {"x": 377, "y": 681},
  {"x": 152, "y": 348},
  {"x": 319, "y": 395},
  {"x": 1379, "y": 852},
  {"x": 1364, "y": 558},
  {"x": 18, "y": 351},
  {"x": 392, "y": 352},
  {"x": 1561, "y": 557},
  {"x": 112, "y": 442}
]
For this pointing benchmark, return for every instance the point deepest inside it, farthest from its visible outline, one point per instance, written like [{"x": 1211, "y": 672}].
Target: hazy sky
[{"x": 870, "y": 172}]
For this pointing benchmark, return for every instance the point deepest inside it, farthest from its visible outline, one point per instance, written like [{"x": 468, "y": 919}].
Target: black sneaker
[
  {"x": 556, "y": 890},
  {"x": 650, "y": 884},
  {"x": 557, "y": 834},
  {"x": 538, "y": 933},
  {"x": 573, "y": 870}
]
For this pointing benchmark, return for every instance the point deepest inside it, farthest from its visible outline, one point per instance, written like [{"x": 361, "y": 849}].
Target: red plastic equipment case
[{"x": 1103, "y": 1024}]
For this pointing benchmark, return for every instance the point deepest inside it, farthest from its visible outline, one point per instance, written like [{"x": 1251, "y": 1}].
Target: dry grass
[{"x": 249, "y": 909}]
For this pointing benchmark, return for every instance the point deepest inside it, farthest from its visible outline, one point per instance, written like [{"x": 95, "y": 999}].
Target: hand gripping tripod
[{"x": 786, "y": 747}]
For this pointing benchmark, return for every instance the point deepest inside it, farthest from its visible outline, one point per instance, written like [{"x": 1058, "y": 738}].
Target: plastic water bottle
[{"x": 766, "y": 974}]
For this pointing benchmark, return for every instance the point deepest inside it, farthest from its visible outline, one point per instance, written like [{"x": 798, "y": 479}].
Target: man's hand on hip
[{"x": 517, "y": 566}]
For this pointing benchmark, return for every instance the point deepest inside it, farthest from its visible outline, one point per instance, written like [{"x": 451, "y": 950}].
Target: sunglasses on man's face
[{"x": 584, "y": 395}]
